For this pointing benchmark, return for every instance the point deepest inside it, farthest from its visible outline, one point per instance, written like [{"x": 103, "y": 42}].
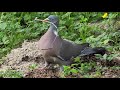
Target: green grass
[
  {"x": 10, "y": 74},
  {"x": 73, "y": 26}
]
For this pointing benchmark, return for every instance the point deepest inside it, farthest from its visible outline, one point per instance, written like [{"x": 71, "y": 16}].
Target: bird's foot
[
  {"x": 61, "y": 69},
  {"x": 44, "y": 67}
]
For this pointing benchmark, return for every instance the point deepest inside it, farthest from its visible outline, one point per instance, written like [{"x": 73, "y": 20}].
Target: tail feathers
[{"x": 92, "y": 51}]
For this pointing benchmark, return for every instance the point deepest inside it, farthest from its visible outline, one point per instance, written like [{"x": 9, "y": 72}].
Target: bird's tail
[{"x": 91, "y": 51}]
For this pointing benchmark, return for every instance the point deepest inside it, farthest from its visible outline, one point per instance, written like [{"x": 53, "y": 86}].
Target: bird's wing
[
  {"x": 70, "y": 49},
  {"x": 92, "y": 51}
]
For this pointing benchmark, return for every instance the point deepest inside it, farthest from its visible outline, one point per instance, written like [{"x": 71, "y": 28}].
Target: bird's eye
[{"x": 52, "y": 19}]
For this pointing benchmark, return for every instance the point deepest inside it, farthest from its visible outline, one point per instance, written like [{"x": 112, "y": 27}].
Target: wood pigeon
[{"x": 60, "y": 51}]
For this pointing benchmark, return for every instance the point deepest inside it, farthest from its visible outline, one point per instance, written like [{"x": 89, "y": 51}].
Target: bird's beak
[{"x": 45, "y": 20}]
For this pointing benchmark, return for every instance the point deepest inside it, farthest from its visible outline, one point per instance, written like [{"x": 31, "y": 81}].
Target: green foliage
[
  {"x": 33, "y": 66},
  {"x": 107, "y": 57},
  {"x": 78, "y": 67},
  {"x": 11, "y": 74},
  {"x": 68, "y": 70}
]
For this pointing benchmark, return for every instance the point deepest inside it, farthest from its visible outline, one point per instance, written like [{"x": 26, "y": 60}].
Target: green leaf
[
  {"x": 1, "y": 34},
  {"x": 33, "y": 66},
  {"x": 106, "y": 41},
  {"x": 74, "y": 71},
  {"x": 5, "y": 40},
  {"x": 105, "y": 56},
  {"x": 77, "y": 59},
  {"x": 66, "y": 67},
  {"x": 3, "y": 25}
]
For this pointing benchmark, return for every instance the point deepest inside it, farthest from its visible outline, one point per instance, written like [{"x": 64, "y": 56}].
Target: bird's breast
[
  {"x": 50, "y": 43},
  {"x": 46, "y": 40}
]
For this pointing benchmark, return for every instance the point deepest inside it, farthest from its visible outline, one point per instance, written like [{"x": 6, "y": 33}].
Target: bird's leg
[
  {"x": 61, "y": 68},
  {"x": 61, "y": 71},
  {"x": 59, "y": 57},
  {"x": 45, "y": 65}
]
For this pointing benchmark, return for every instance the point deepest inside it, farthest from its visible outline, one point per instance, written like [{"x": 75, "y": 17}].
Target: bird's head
[{"x": 52, "y": 19}]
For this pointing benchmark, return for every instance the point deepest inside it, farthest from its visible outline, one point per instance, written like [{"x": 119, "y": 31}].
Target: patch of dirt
[
  {"x": 110, "y": 73},
  {"x": 114, "y": 62},
  {"x": 21, "y": 59},
  {"x": 44, "y": 73}
]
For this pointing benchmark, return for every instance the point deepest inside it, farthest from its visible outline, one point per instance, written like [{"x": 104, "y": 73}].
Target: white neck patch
[{"x": 55, "y": 32}]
